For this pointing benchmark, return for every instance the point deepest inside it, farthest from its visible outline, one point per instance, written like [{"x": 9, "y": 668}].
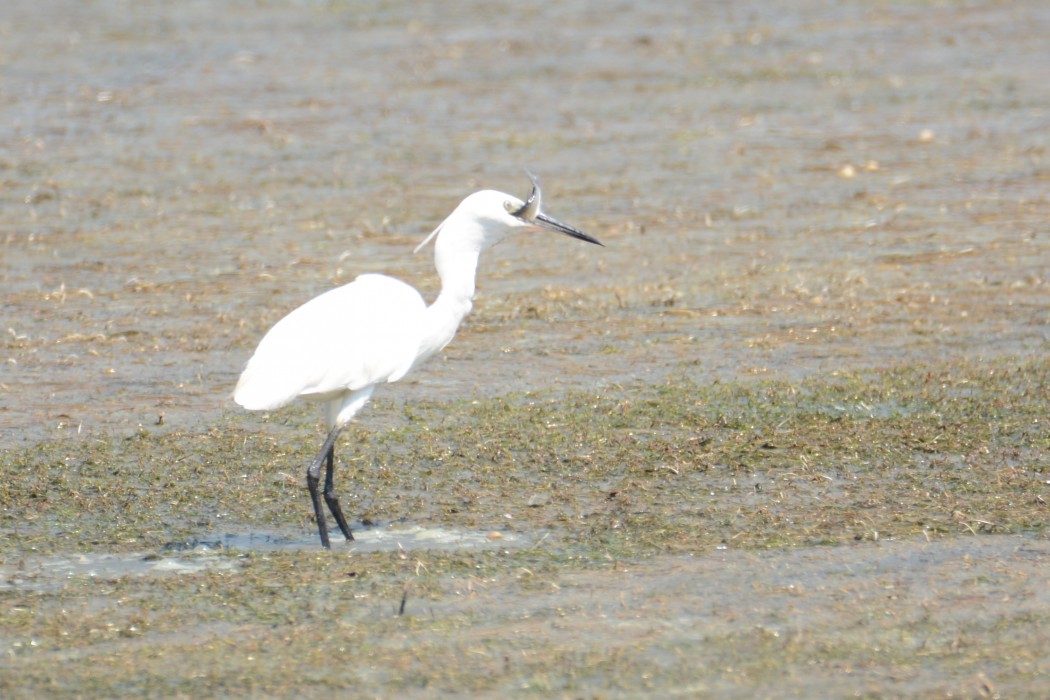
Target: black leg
[
  {"x": 332, "y": 499},
  {"x": 313, "y": 478}
]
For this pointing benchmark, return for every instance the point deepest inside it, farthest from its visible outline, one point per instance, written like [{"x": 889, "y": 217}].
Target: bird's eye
[{"x": 510, "y": 206}]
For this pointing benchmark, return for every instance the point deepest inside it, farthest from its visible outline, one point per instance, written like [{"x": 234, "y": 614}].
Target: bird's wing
[{"x": 360, "y": 334}]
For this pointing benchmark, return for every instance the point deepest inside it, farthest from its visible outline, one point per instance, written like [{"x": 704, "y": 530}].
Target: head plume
[
  {"x": 531, "y": 207},
  {"x": 528, "y": 211}
]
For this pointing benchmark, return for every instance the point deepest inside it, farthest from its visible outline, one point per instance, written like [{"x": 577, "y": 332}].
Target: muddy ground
[{"x": 785, "y": 436}]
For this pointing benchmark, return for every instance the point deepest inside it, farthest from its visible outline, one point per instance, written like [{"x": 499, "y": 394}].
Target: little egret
[{"x": 338, "y": 346}]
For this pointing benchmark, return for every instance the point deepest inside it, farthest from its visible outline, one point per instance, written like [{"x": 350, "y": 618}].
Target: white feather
[{"x": 364, "y": 333}]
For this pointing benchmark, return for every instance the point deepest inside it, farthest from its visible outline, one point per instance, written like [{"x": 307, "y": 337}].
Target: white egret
[{"x": 337, "y": 347}]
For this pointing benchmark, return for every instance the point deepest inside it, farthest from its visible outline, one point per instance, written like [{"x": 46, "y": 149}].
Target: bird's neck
[
  {"x": 443, "y": 317},
  {"x": 456, "y": 267}
]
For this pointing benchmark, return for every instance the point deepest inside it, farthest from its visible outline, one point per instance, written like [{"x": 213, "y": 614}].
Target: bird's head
[{"x": 485, "y": 218}]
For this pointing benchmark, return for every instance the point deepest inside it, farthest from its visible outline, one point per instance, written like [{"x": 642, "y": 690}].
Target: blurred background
[{"x": 783, "y": 189}]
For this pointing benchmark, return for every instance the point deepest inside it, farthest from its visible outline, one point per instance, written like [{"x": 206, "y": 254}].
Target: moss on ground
[
  {"x": 634, "y": 471},
  {"x": 628, "y": 475}
]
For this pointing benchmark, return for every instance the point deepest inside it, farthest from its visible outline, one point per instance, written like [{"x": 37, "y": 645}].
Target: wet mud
[{"x": 792, "y": 195}]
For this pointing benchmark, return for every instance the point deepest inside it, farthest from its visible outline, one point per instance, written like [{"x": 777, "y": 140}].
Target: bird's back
[{"x": 348, "y": 338}]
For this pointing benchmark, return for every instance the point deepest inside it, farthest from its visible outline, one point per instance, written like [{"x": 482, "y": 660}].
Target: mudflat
[{"x": 785, "y": 436}]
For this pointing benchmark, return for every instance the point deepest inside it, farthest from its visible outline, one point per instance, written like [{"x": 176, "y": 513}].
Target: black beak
[{"x": 544, "y": 221}]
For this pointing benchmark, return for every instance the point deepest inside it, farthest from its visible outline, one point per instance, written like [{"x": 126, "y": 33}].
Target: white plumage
[
  {"x": 317, "y": 351},
  {"x": 339, "y": 346}
]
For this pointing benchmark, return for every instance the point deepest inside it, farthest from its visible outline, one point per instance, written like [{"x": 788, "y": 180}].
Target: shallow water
[
  {"x": 193, "y": 556},
  {"x": 926, "y": 596},
  {"x": 784, "y": 190},
  {"x": 401, "y": 537}
]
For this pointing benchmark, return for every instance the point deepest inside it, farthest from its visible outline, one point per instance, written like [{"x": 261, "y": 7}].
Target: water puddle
[
  {"x": 384, "y": 538},
  {"x": 196, "y": 555}
]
